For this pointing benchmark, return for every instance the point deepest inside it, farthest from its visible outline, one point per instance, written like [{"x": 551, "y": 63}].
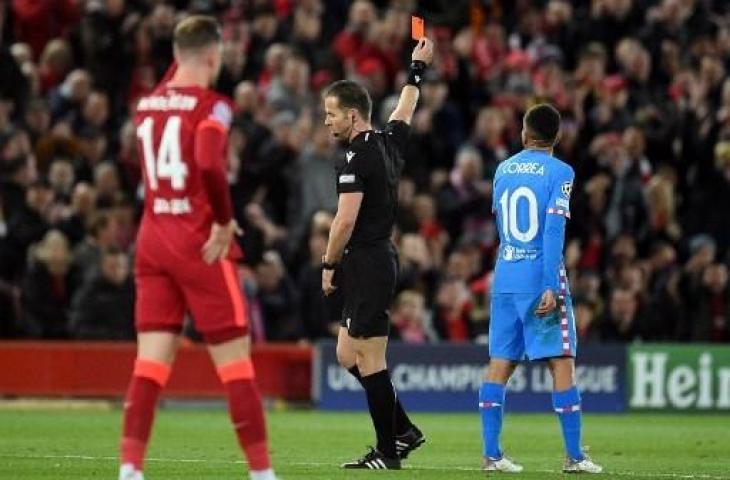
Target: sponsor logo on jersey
[
  {"x": 173, "y": 206},
  {"x": 511, "y": 253},
  {"x": 566, "y": 188},
  {"x": 531, "y": 168},
  {"x": 347, "y": 178},
  {"x": 349, "y": 156}
]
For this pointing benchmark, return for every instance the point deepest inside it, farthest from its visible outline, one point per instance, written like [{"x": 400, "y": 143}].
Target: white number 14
[{"x": 168, "y": 162}]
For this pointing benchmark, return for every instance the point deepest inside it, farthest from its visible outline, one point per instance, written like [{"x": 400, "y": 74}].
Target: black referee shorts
[{"x": 368, "y": 280}]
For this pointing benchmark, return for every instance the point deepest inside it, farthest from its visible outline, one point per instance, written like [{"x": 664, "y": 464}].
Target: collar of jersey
[{"x": 357, "y": 137}]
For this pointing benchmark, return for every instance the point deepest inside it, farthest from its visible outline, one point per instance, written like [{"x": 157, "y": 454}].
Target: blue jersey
[{"x": 528, "y": 187}]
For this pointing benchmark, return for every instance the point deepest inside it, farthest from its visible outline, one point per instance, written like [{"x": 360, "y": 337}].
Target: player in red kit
[{"x": 185, "y": 249}]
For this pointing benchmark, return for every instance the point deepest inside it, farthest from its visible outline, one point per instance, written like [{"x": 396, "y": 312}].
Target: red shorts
[{"x": 168, "y": 286}]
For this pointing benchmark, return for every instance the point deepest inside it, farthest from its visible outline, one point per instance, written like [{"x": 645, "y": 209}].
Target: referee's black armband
[{"x": 416, "y": 73}]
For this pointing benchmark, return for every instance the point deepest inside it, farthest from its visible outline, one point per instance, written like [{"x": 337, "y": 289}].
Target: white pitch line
[{"x": 699, "y": 476}]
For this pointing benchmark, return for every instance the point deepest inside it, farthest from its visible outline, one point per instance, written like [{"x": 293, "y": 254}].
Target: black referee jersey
[{"x": 372, "y": 164}]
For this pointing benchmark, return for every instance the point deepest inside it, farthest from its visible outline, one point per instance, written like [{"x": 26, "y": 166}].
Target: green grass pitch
[{"x": 199, "y": 444}]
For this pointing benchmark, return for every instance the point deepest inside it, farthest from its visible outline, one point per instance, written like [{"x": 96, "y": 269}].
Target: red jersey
[{"x": 184, "y": 176}]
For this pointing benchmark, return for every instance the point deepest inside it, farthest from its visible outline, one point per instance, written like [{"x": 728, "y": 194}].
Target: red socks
[
  {"x": 244, "y": 405},
  {"x": 247, "y": 414},
  {"x": 139, "y": 409}
]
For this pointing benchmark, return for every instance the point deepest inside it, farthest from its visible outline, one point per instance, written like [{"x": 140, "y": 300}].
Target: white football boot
[
  {"x": 504, "y": 465},
  {"x": 128, "y": 472},
  {"x": 264, "y": 475},
  {"x": 581, "y": 466}
]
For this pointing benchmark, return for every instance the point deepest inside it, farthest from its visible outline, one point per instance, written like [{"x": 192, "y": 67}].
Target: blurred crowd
[{"x": 641, "y": 85}]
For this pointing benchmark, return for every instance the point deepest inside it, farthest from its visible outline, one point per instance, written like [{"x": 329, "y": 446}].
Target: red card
[{"x": 417, "y": 28}]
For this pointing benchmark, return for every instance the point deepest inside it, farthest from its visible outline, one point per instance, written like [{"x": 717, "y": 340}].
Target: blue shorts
[{"x": 515, "y": 331}]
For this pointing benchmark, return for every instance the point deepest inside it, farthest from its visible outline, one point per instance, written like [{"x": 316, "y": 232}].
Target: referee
[{"x": 360, "y": 249}]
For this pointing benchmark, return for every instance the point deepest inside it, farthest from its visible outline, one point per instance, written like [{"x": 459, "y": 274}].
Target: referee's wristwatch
[{"x": 328, "y": 266}]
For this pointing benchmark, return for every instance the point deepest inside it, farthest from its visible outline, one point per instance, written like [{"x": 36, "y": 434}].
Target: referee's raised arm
[{"x": 420, "y": 59}]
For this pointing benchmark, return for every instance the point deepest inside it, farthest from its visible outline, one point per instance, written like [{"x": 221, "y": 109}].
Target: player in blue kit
[{"x": 532, "y": 313}]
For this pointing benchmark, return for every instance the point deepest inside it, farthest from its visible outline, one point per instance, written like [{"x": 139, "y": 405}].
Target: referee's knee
[{"x": 346, "y": 356}]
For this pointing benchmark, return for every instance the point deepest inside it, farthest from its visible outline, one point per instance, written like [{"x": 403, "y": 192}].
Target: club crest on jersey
[
  {"x": 566, "y": 188},
  {"x": 349, "y": 156}
]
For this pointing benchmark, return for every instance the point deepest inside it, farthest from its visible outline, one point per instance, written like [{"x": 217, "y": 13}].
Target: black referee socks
[
  {"x": 402, "y": 422},
  {"x": 381, "y": 401}
]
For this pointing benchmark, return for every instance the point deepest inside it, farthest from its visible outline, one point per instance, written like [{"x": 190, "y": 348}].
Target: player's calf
[
  {"x": 247, "y": 415},
  {"x": 148, "y": 379}
]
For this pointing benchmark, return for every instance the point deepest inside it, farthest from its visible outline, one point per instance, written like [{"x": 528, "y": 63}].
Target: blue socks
[
  {"x": 567, "y": 406},
  {"x": 491, "y": 407},
  {"x": 566, "y": 403}
]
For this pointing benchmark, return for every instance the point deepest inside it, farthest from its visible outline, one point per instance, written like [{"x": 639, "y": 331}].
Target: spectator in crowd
[
  {"x": 107, "y": 184},
  {"x": 429, "y": 227},
  {"x": 10, "y": 292},
  {"x": 37, "y": 119},
  {"x": 48, "y": 287},
  {"x": 102, "y": 234},
  {"x": 320, "y": 314},
  {"x": 622, "y": 321},
  {"x": 30, "y": 223},
  {"x": 278, "y": 299},
  {"x": 490, "y": 138},
  {"x": 103, "y": 307},
  {"x": 586, "y": 326},
  {"x": 410, "y": 320},
  {"x": 453, "y": 310},
  {"x": 417, "y": 271},
  {"x": 275, "y": 166},
  {"x": 289, "y": 92},
  {"x": 703, "y": 251},
  {"x": 68, "y": 98},
  {"x": 16, "y": 175},
  {"x": 465, "y": 199},
  {"x": 81, "y": 207},
  {"x": 709, "y": 306},
  {"x": 61, "y": 177},
  {"x": 314, "y": 177}
]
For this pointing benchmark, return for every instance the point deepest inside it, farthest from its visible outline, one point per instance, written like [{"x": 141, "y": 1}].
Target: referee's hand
[
  {"x": 423, "y": 51},
  {"x": 327, "y": 286}
]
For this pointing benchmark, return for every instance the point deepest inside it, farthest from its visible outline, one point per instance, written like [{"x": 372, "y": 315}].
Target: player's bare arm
[
  {"x": 421, "y": 57},
  {"x": 348, "y": 207}
]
